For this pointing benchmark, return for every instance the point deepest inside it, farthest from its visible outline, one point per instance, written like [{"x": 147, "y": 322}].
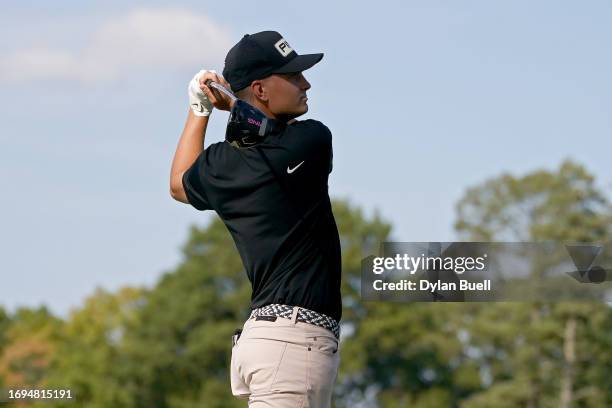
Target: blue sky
[{"x": 423, "y": 99}]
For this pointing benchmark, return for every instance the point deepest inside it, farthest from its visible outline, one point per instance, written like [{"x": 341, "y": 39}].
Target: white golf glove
[{"x": 198, "y": 101}]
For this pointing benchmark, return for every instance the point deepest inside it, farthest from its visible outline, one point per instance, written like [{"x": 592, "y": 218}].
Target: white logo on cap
[{"x": 283, "y": 47}]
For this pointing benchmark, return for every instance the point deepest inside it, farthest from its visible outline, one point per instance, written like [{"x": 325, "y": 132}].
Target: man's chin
[
  {"x": 287, "y": 116},
  {"x": 303, "y": 110},
  {"x": 298, "y": 113}
]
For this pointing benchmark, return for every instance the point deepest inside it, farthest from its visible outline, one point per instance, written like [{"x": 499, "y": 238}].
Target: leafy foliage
[{"x": 169, "y": 345}]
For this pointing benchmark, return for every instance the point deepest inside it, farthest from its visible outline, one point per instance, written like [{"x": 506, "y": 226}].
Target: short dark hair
[{"x": 244, "y": 94}]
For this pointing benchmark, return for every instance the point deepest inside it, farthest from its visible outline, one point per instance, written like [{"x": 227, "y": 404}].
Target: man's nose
[{"x": 305, "y": 84}]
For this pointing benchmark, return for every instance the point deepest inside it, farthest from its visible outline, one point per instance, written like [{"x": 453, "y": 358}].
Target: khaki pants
[{"x": 284, "y": 364}]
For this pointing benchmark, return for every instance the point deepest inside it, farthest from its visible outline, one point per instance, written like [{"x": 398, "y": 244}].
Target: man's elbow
[
  {"x": 176, "y": 189},
  {"x": 179, "y": 196},
  {"x": 173, "y": 193}
]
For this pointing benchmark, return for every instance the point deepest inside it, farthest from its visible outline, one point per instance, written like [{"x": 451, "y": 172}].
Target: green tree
[
  {"x": 5, "y": 321},
  {"x": 30, "y": 339},
  {"x": 563, "y": 206},
  {"x": 394, "y": 355},
  {"x": 540, "y": 354},
  {"x": 89, "y": 355}
]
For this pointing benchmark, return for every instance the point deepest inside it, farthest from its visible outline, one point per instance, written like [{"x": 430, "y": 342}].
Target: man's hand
[
  {"x": 198, "y": 100},
  {"x": 218, "y": 99}
]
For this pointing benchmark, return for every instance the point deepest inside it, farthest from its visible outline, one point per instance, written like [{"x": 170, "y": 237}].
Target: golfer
[{"x": 273, "y": 198}]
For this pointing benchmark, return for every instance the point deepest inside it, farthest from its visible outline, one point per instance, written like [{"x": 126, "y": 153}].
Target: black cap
[{"x": 259, "y": 55}]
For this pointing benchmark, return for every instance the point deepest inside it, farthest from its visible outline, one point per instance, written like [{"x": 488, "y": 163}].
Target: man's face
[{"x": 287, "y": 94}]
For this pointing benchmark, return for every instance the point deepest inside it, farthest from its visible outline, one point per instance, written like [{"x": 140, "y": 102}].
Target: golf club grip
[{"x": 219, "y": 87}]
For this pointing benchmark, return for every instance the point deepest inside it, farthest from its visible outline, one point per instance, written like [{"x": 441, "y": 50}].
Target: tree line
[{"x": 169, "y": 345}]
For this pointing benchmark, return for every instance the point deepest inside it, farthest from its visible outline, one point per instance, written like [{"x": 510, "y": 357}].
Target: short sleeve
[
  {"x": 319, "y": 142},
  {"x": 194, "y": 184},
  {"x": 327, "y": 142},
  {"x": 331, "y": 158}
]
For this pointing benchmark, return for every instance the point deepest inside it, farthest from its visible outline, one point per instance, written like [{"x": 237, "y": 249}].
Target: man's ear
[{"x": 259, "y": 90}]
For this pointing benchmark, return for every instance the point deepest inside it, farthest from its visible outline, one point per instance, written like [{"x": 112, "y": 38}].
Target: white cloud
[{"x": 141, "y": 39}]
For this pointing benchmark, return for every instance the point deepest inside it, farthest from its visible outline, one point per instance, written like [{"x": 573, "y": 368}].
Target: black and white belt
[{"x": 303, "y": 315}]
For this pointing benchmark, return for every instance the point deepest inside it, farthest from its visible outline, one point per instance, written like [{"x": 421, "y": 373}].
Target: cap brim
[{"x": 299, "y": 63}]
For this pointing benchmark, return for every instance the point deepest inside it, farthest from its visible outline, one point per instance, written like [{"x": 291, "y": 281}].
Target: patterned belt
[{"x": 303, "y": 315}]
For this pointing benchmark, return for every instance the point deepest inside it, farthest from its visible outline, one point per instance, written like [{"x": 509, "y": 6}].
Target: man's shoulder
[
  {"x": 223, "y": 149},
  {"x": 312, "y": 129},
  {"x": 222, "y": 145},
  {"x": 310, "y": 123},
  {"x": 219, "y": 155}
]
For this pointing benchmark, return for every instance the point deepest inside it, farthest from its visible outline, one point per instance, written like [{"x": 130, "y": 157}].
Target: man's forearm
[{"x": 189, "y": 147}]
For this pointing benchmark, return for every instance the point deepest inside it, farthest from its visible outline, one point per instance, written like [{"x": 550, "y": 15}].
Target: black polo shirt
[{"x": 281, "y": 220}]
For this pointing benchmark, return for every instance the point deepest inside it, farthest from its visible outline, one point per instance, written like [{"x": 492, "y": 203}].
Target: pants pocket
[
  {"x": 292, "y": 374},
  {"x": 257, "y": 362},
  {"x": 325, "y": 344}
]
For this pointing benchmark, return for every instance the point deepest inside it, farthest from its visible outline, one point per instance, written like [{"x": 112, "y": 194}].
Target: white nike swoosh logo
[{"x": 291, "y": 170}]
